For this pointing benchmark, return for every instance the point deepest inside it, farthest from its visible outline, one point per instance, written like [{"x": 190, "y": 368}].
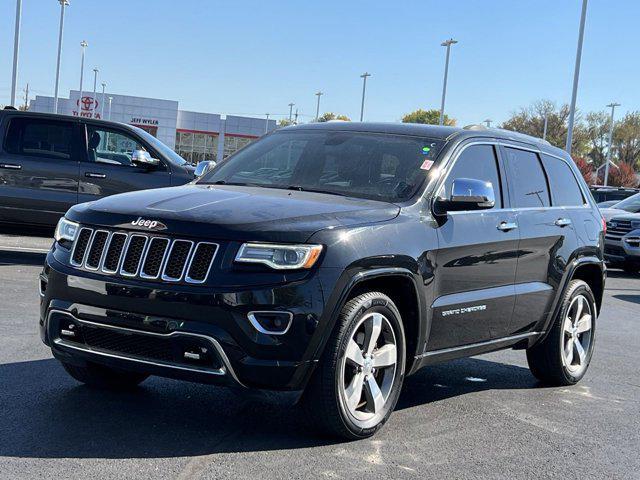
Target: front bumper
[
  {"x": 148, "y": 327},
  {"x": 625, "y": 250}
]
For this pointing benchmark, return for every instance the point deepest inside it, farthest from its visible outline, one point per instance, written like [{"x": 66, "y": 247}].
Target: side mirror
[
  {"x": 468, "y": 194},
  {"x": 204, "y": 167},
  {"x": 143, "y": 159}
]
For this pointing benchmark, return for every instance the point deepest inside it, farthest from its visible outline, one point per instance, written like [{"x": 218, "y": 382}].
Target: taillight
[{"x": 604, "y": 226}]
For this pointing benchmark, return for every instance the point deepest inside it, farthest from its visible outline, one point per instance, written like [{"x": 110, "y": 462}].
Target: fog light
[{"x": 271, "y": 322}]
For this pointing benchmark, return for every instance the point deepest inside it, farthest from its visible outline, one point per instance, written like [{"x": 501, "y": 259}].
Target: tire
[
  {"x": 333, "y": 399},
  {"x": 98, "y": 376},
  {"x": 549, "y": 360}
]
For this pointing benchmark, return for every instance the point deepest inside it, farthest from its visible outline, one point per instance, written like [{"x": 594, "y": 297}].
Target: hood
[
  {"x": 232, "y": 212},
  {"x": 609, "y": 213}
]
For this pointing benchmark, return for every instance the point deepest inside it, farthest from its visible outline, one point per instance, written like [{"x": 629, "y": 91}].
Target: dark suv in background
[
  {"x": 49, "y": 163},
  {"x": 330, "y": 261}
]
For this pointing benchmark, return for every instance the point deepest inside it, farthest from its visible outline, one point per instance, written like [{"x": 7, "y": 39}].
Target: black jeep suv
[{"x": 331, "y": 260}]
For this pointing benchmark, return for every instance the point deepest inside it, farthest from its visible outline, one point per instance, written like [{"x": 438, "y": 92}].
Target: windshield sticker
[
  {"x": 426, "y": 150},
  {"x": 426, "y": 165}
]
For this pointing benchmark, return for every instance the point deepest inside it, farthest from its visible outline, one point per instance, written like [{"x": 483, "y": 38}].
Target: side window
[
  {"x": 477, "y": 162},
  {"x": 565, "y": 190},
  {"x": 527, "y": 182},
  {"x": 111, "y": 146},
  {"x": 40, "y": 138}
]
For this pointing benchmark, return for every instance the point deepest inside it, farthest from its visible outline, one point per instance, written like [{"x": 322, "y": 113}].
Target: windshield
[
  {"x": 366, "y": 165},
  {"x": 630, "y": 204},
  {"x": 161, "y": 147}
]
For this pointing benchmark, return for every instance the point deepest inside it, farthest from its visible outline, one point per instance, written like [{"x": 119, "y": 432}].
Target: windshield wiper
[
  {"x": 236, "y": 184},
  {"x": 314, "y": 190}
]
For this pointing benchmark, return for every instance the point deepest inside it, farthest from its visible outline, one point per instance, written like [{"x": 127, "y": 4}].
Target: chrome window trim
[
  {"x": 186, "y": 261},
  {"x": 113, "y": 234},
  {"x": 93, "y": 239},
  {"x": 254, "y": 322},
  {"x": 187, "y": 278},
  {"x": 162, "y": 261},
  {"x": 75, "y": 246},
  {"x": 226, "y": 368},
  {"x": 126, "y": 250}
]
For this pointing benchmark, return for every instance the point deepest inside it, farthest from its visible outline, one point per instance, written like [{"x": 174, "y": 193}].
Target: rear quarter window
[
  {"x": 565, "y": 190},
  {"x": 39, "y": 138}
]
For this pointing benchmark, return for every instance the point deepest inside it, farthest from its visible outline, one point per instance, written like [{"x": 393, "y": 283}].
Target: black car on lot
[
  {"x": 331, "y": 260},
  {"x": 49, "y": 163}
]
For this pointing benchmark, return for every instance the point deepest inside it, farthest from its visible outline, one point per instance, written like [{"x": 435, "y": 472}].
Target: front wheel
[
  {"x": 563, "y": 357},
  {"x": 356, "y": 385}
]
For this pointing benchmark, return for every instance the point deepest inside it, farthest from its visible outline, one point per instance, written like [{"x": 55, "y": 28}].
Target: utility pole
[
  {"x": 16, "y": 48},
  {"x": 26, "y": 98},
  {"x": 266, "y": 124},
  {"x": 364, "y": 88},
  {"x": 576, "y": 76},
  {"x": 318, "y": 94},
  {"x": 488, "y": 122},
  {"x": 291, "y": 111},
  {"x": 63, "y": 3},
  {"x": 295, "y": 122},
  {"x": 613, "y": 106},
  {"x": 447, "y": 44}
]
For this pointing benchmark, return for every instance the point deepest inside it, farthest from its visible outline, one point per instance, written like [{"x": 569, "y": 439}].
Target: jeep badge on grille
[{"x": 149, "y": 224}]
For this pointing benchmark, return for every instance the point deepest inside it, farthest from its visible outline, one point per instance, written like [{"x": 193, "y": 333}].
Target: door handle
[
  {"x": 95, "y": 175},
  {"x": 563, "y": 222},
  {"x": 10, "y": 166},
  {"x": 506, "y": 226}
]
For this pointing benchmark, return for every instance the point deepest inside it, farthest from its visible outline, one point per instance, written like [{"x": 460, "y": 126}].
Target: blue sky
[{"x": 252, "y": 57}]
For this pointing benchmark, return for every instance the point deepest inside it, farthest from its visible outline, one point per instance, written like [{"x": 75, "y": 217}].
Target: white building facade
[{"x": 193, "y": 135}]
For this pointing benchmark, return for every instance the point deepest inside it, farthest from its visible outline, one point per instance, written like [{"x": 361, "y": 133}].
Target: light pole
[
  {"x": 16, "y": 48},
  {"x": 84, "y": 45},
  {"x": 364, "y": 88},
  {"x": 110, "y": 98},
  {"x": 488, "y": 122},
  {"x": 95, "y": 81},
  {"x": 447, "y": 44},
  {"x": 546, "y": 124},
  {"x": 266, "y": 124},
  {"x": 613, "y": 106},
  {"x": 63, "y": 3},
  {"x": 291, "y": 111},
  {"x": 102, "y": 103},
  {"x": 318, "y": 94},
  {"x": 576, "y": 76}
]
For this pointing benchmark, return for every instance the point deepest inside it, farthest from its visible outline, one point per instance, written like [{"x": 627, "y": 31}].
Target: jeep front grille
[{"x": 138, "y": 255}]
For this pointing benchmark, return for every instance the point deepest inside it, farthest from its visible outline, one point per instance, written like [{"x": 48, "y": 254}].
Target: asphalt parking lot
[{"x": 484, "y": 417}]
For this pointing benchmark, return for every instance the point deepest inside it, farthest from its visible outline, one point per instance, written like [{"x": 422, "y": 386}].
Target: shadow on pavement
[
  {"x": 21, "y": 258},
  {"x": 45, "y": 414},
  {"x": 628, "y": 298}
]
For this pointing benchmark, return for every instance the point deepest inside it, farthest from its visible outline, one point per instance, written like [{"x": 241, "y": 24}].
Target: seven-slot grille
[
  {"x": 140, "y": 255},
  {"x": 616, "y": 229}
]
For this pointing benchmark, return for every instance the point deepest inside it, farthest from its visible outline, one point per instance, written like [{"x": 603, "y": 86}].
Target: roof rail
[{"x": 475, "y": 126}]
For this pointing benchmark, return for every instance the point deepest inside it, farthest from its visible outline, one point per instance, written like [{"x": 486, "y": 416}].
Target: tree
[
  {"x": 586, "y": 169},
  {"x": 429, "y": 117},
  {"x": 530, "y": 120},
  {"x": 597, "y": 131},
  {"x": 325, "y": 117},
  {"x": 284, "y": 122},
  {"x": 626, "y": 139},
  {"x": 622, "y": 175}
]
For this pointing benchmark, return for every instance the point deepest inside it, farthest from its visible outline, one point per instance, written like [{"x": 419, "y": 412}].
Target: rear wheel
[
  {"x": 356, "y": 385},
  {"x": 563, "y": 357},
  {"x": 99, "y": 376}
]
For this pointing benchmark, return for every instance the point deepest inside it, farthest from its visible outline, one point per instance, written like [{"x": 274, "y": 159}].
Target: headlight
[
  {"x": 280, "y": 257},
  {"x": 66, "y": 230}
]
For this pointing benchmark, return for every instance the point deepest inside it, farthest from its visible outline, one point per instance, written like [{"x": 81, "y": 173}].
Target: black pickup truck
[{"x": 48, "y": 163}]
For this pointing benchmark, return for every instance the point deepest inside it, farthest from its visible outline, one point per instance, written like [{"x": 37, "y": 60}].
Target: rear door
[
  {"x": 107, "y": 168},
  {"x": 547, "y": 235},
  {"x": 476, "y": 258},
  {"x": 39, "y": 166}
]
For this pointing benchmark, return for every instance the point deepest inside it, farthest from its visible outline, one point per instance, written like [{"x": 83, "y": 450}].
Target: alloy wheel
[
  {"x": 368, "y": 369},
  {"x": 577, "y": 335}
]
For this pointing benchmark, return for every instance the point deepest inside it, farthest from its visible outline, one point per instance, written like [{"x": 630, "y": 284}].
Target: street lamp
[
  {"x": 291, "y": 111},
  {"x": 84, "y": 45},
  {"x": 95, "y": 81},
  {"x": 16, "y": 47},
  {"x": 318, "y": 94},
  {"x": 576, "y": 76},
  {"x": 613, "y": 106},
  {"x": 488, "y": 122},
  {"x": 364, "y": 88},
  {"x": 110, "y": 99},
  {"x": 102, "y": 102},
  {"x": 63, "y": 3},
  {"x": 447, "y": 44},
  {"x": 546, "y": 124},
  {"x": 266, "y": 124}
]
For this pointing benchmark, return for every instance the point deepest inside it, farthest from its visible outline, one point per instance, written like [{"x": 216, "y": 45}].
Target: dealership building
[{"x": 195, "y": 136}]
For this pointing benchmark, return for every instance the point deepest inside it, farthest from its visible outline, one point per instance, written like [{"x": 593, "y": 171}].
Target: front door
[
  {"x": 476, "y": 259},
  {"x": 39, "y": 166},
  {"x": 108, "y": 168}
]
